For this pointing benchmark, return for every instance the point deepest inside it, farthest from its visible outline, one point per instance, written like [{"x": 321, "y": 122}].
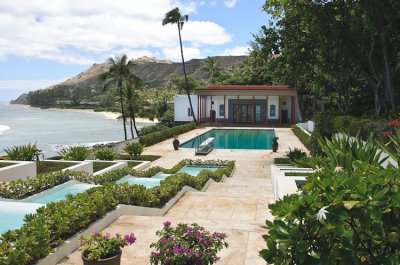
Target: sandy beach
[{"x": 111, "y": 115}]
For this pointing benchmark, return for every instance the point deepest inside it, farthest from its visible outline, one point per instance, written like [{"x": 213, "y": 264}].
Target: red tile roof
[{"x": 240, "y": 87}]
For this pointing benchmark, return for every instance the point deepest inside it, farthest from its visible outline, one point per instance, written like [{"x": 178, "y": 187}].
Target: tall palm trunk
[
  {"x": 133, "y": 136},
  {"x": 184, "y": 73},
  {"x": 134, "y": 123},
  {"x": 122, "y": 107}
]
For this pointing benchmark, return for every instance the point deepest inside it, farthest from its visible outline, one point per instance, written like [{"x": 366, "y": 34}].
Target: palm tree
[
  {"x": 131, "y": 102},
  {"x": 118, "y": 74},
  {"x": 175, "y": 17},
  {"x": 211, "y": 66}
]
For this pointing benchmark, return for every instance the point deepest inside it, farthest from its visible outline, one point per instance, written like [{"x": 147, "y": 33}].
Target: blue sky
[{"x": 44, "y": 42}]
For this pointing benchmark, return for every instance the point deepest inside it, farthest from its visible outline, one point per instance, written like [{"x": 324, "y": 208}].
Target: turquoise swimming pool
[
  {"x": 59, "y": 192},
  {"x": 195, "y": 170},
  {"x": 13, "y": 213},
  {"x": 147, "y": 182},
  {"x": 235, "y": 139}
]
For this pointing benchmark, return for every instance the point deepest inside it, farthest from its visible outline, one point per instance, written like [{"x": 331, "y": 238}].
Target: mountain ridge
[{"x": 151, "y": 70}]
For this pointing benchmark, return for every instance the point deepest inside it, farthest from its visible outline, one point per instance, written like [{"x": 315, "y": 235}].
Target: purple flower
[
  {"x": 167, "y": 223},
  {"x": 130, "y": 239}
]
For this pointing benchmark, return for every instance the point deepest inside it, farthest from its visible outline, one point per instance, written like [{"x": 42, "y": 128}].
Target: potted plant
[
  {"x": 99, "y": 248},
  {"x": 176, "y": 143},
  {"x": 275, "y": 144},
  {"x": 186, "y": 245}
]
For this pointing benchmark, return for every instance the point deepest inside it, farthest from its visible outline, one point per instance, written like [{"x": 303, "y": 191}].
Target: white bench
[{"x": 207, "y": 142}]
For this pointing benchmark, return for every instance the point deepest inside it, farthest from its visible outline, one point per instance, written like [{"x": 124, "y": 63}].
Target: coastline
[{"x": 107, "y": 114}]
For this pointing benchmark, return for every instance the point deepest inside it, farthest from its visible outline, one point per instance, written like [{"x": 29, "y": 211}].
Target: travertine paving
[{"x": 238, "y": 206}]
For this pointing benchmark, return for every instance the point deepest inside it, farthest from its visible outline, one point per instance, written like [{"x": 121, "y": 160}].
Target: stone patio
[{"x": 238, "y": 206}]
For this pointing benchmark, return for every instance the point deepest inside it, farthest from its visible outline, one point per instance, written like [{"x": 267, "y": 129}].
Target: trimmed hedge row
[
  {"x": 152, "y": 128},
  {"x": 56, "y": 222},
  {"x": 303, "y": 137},
  {"x": 157, "y": 137},
  {"x": 20, "y": 189}
]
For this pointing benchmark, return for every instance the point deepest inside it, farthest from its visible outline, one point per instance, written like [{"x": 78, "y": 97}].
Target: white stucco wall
[
  {"x": 181, "y": 106},
  {"x": 19, "y": 170}
]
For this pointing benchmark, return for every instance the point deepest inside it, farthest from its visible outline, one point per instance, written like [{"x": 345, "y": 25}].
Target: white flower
[
  {"x": 321, "y": 215},
  {"x": 338, "y": 169},
  {"x": 319, "y": 169}
]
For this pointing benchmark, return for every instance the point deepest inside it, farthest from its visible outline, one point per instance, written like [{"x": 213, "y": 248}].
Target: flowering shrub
[
  {"x": 98, "y": 246},
  {"x": 340, "y": 217},
  {"x": 186, "y": 244}
]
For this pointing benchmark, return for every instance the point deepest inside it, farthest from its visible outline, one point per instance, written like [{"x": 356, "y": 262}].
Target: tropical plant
[
  {"x": 119, "y": 74},
  {"x": 131, "y": 102},
  {"x": 105, "y": 153},
  {"x": 26, "y": 152},
  {"x": 296, "y": 154},
  {"x": 168, "y": 118},
  {"x": 186, "y": 244},
  {"x": 75, "y": 153},
  {"x": 97, "y": 245},
  {"x": 134, "y": 149},
  {"x": 340, "y": 217},
  {"x": 392, "y": 148},
  {"x": 175, "y": 17},
  {"x": 211, "y": 66},
  {"x": 343, "y": 150}
]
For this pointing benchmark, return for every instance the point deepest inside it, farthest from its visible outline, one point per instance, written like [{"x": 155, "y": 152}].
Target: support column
[
  {"x": 280, "y": 110},
  {"x": 293, "y": 110},
  {"x": 198, "y": 109},
  {"x": 211, "y": 105},
  {"x": 224, "y": 111},
  {"x": 237, "y": 110},
  {"x": 266, "y": 111},
  {"x": 254, "y": 112}
]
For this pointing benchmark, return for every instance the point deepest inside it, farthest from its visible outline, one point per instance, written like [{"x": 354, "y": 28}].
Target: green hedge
[
  {"x": 56, "y": 222},
  {"x": 157, "y": 137},
  {"x": 364, "y": 127},
  {"x": 20, "y": 189},
  {"x": 303, "y": 137}
]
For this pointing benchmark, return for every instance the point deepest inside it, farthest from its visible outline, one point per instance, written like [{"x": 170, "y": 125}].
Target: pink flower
[
  {"x": 387, "y": 133},
  {"x": 394, "y": 123}
]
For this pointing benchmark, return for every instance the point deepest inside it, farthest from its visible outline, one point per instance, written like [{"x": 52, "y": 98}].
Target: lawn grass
[
  {"x": 97, "y": 165},
  {"x": 132, "y": 164},
  {"x": 48, "y": 166},
  {"x": 6, "y": 164},
  {"x": 150, "y": 158},
  {"x": 297, "y": 174}
]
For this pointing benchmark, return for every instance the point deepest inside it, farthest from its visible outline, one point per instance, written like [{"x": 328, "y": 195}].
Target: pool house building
[{"x": 237, "y": 105}]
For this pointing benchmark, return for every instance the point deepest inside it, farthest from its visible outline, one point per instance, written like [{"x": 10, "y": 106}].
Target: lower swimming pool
[
  {"x": 13, "y": 213},
  {"x": 147, "y": 182},
  {"x": 195, "y": 170},
  {"x": 235, "y": 139},
  {"x": 59, "y": 192}
]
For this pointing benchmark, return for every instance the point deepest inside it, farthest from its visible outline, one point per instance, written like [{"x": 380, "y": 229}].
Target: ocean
[{"x": 54, "y": 129}]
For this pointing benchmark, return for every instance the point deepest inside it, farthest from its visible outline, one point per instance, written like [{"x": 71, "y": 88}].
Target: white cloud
[
  {"x": 28, "y": 84},
  {"x": 75, "y": 31},
  {"x": 174, "y": 53},
  {"x": 238, "y": 50},
  {"x": 230, "y": 3}
]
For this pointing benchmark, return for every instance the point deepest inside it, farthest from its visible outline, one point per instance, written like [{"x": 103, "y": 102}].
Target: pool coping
[{"x": 229, "y": 128}]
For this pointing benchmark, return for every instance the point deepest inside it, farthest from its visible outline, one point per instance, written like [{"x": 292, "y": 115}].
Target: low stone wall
[
  {"x": 86, "y": 166},
  {"x": 117, "y": 165},
  {"x": 20, "y": 170}
]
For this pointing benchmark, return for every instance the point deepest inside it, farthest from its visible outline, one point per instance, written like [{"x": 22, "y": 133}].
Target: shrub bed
[
  {"x": 48, "y": 166},
  {"x": 340, "y": 217},
  {"x": 55, "y": 222},
  {"x": 157, "y": 137},
  {"x": 20, "y": 189},
  {"x": 303, "y": 137},
  {"x": 97, "y": 165},
  {"x": 151, "y": 129},
  {"x": 282, "y": 160}
]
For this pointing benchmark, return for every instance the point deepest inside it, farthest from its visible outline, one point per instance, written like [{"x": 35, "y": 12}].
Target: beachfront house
[{"x": 237, "y": 105}]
